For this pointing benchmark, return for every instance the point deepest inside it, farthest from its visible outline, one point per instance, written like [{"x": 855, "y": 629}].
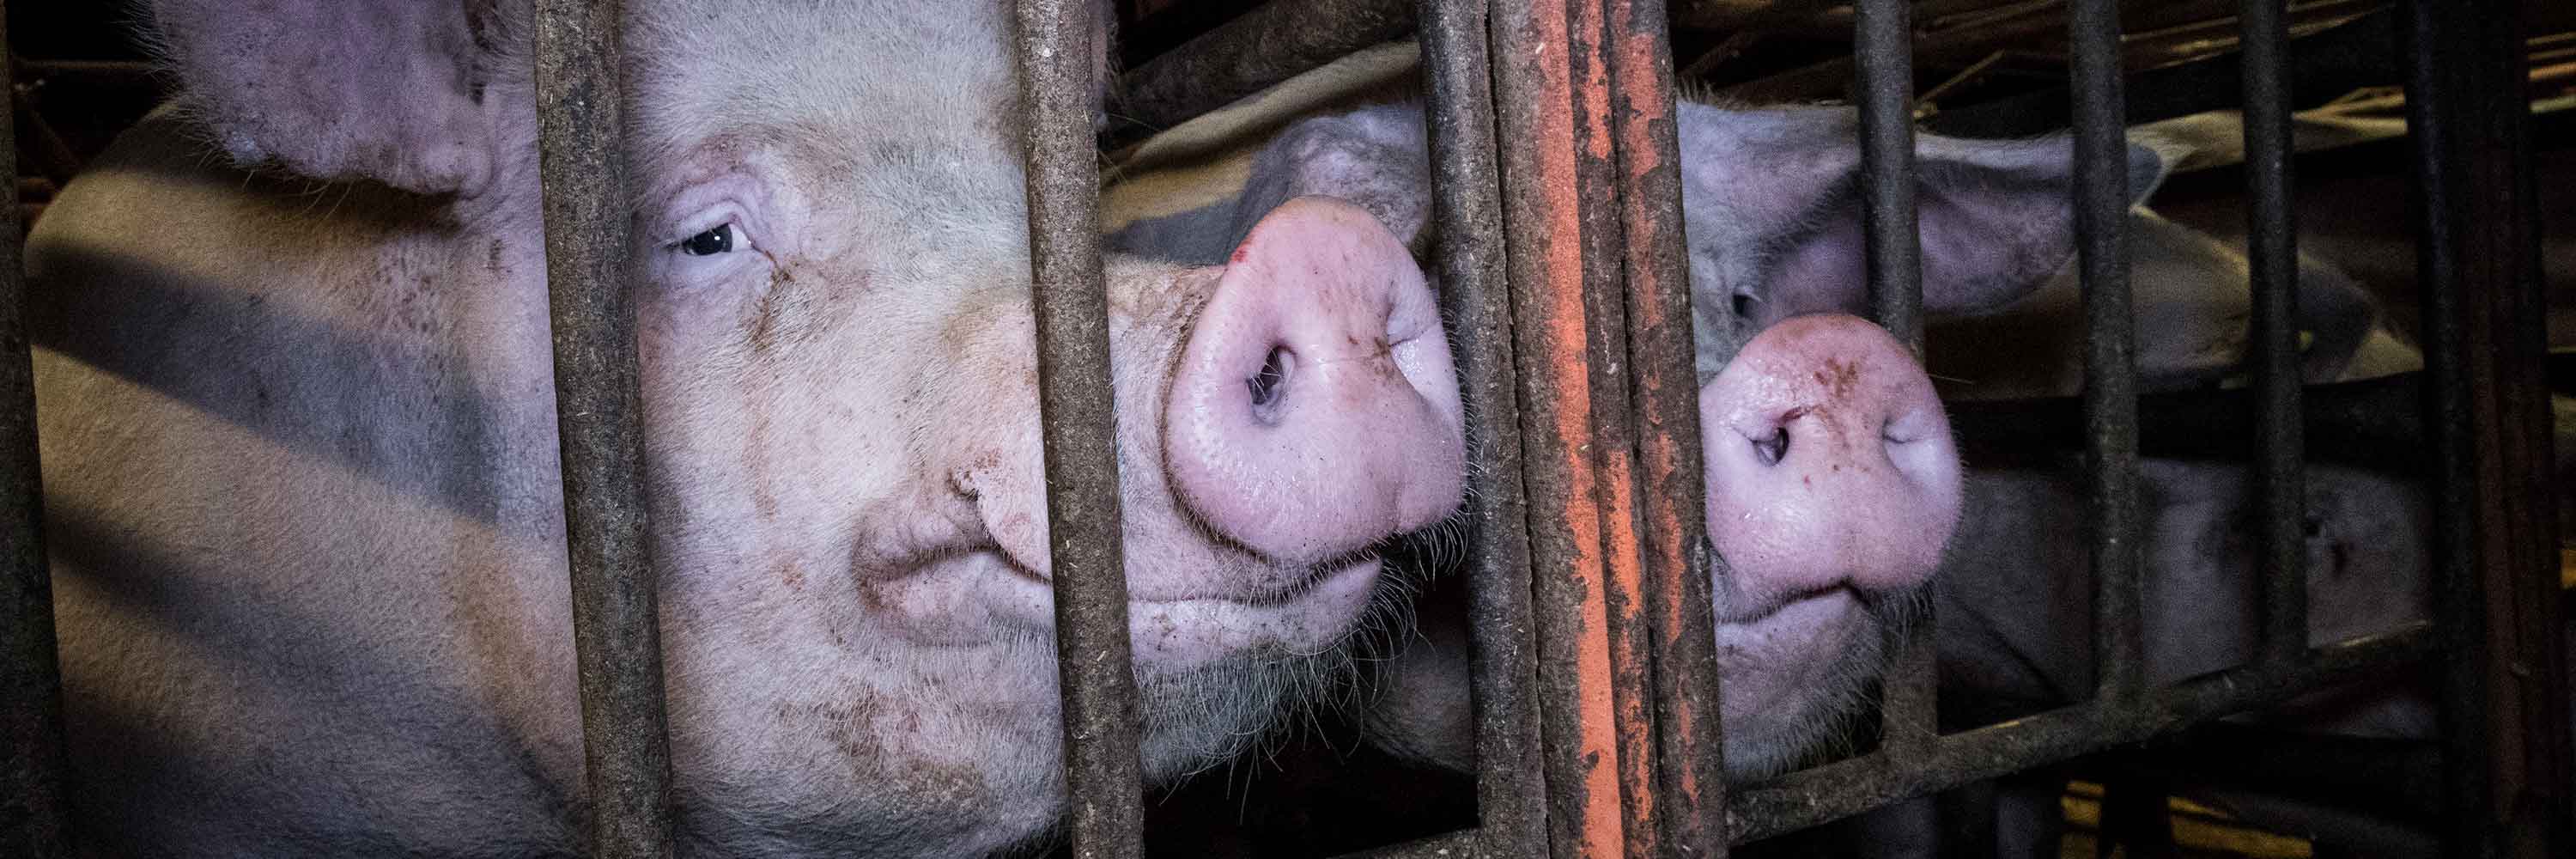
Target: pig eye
[
  {"x": 1743, "y": 306},
  {"x": 716, "y": 241}
]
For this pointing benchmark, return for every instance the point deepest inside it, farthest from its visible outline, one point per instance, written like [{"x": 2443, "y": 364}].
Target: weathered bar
[
  {"x": 2280, "y": 475},
  {"x": 1614, "y": 441},
  {"x": 1104, "y": 778},
  {"x": 1543, "y": 256},
  {"x": 1840, "y": 789},
  {"x": 31, "y": 709},
  {"x": 1466, "y": 203},
  {"x": 1273, "y": 42},
  {"x": 599, "y": 409},
  {"x": 2110, "y": 359},
  {"x": 1883, "y": 48},
  {"x": 1690, "y": 772},
  {"x": 2504, "y": 695}
]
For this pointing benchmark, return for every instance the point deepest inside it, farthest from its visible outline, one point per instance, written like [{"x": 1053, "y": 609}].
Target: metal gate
[{"x": 1558, "y": 197}]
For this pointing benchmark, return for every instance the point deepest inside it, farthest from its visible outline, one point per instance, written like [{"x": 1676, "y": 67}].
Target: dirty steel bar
[
  {"x": 1614, "y": 441},
  {"x": 1883, "y": 36},
  {"x": 1273, "y": 42},
  {"x": 2280, "y": 489},
  {"x": 1466, "y": 203},
  {"x": 1535, "y": 128},
  {"x": 599, "y": 408},
  {"x": 2371, "y": 424},
  {"x": 1808, "y": 797},
  {"x": 2503, "y": 696},
  {"x": 1104, "y": 778},
  {"x": 2110, "y": 359},
  {"x": 31, "y": 712},
  {"x": 1690, "y": 775}
]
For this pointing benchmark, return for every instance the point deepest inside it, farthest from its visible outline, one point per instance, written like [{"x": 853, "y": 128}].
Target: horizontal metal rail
[{"x": 1808, "y": 797}]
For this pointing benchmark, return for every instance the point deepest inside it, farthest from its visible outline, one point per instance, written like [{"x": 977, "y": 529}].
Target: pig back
[{"x": 303, "y": 514}]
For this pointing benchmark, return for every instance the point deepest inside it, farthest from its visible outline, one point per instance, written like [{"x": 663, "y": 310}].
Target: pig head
[{"x": 299, "y": 437}]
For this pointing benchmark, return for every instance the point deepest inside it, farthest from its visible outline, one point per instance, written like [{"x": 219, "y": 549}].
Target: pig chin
[{"x": 1791, "y": 676}]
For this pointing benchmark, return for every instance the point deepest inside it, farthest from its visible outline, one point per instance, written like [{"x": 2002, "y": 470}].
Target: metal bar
[
  {"x": 2504, "y": 700},
  {"x": 2110, "y": 359},
  {"x": 2371, "y": 423},
  {"x": 1273, "y": 42},
  {"x": 31, "y": 706},
  {"x": 1104, "y": 777},
  {"x": 1884, "y": 48},
  {"x": 1614, "y": 441},
  {"x": 1467, "y": 204},
  {"x": 2280, "y": 489},
  {"x": 1534, "y": 109},
  {"x": 599, "y": 407},
  {"x": 1683, "y": 637},
  {"x": 1455, "y": 845},
  {"x": 1883, "y": 36},
  {"x": 1840, "y": 789}
]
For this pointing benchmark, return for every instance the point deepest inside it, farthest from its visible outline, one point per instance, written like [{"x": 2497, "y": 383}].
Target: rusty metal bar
[
  {"x": 599, "y": 407},
  {"x": 2371, "y": 423},
  {"x": 2504, "y": 696},
  {"x": 31, "y": 706},
  {"x": 2110, "y": 359},
  {"x": 1273, "y": 42},
  {"x": 1535, "y": 127},
  {"x": 1808, "y": 797},
  {"x": 1466, "y": 203},
  {"x": 1104, "y": 777},
  {"x": 2280, "y": 476},
  {"x": 1690, "y": 778},
  {"x": 1613, "y": 444}
]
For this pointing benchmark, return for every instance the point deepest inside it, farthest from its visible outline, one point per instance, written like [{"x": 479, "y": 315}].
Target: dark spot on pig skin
[
  {"x": 792, "y": 574},
  {"x": 1838, "y": 377}
]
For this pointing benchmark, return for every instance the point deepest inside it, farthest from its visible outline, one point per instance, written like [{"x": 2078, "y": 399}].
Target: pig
[
  {"x": 301, "y": 477},
  {"x": 1826, "y": 561}
]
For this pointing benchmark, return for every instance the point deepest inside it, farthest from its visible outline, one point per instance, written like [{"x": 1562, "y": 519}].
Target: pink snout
[
  {"x": 1313, "y": 411},
  {"x": 1830, "y": 463}
]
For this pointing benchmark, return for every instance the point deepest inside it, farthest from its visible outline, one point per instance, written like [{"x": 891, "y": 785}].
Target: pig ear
[
  {"x": 389, "y": 90},
  {"x": 1997, "y": 218},
  {"x": 1372, "y": 158},
  {"x": 1994, "y": 216}
]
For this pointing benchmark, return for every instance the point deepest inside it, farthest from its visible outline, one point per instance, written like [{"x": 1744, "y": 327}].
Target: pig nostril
[
  {"x": 1269, "y": 385},
  {"x": 1772, "y": 448}
]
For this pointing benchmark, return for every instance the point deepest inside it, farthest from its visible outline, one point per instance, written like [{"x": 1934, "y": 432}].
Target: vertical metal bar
[
  {"x": 2110, "y": 360},
  {"x": 1468, "y": 206},
  {"x": 1613, "y": 447},
  {"x": 1104, "y": 778},
  {"x": 616, "y": 635},
  {"x": 1690, "y": 778},
  {"x": 2280, "y": 489},
  {"x": 31, "y": 707},
  {"x": 1883, "y": 33},
  {"x": 1535, "y": 127},
  {"x": 2504, "y": 697}
]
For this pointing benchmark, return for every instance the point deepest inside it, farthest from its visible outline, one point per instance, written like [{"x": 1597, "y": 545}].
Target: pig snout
[
  {"x": 1313, "y": 410},
  {"x": 1829, "y": 462}
]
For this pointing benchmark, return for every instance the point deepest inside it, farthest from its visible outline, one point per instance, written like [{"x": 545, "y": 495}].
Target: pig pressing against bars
[
  {"x": 295, "y": 389},
  {"x": 1832, "y": 485}
]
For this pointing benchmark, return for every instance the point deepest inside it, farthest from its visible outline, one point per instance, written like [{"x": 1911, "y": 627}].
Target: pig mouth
[
  {"x": 1219, "y": 611},
  {"x": 1778, "y": 661}
]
